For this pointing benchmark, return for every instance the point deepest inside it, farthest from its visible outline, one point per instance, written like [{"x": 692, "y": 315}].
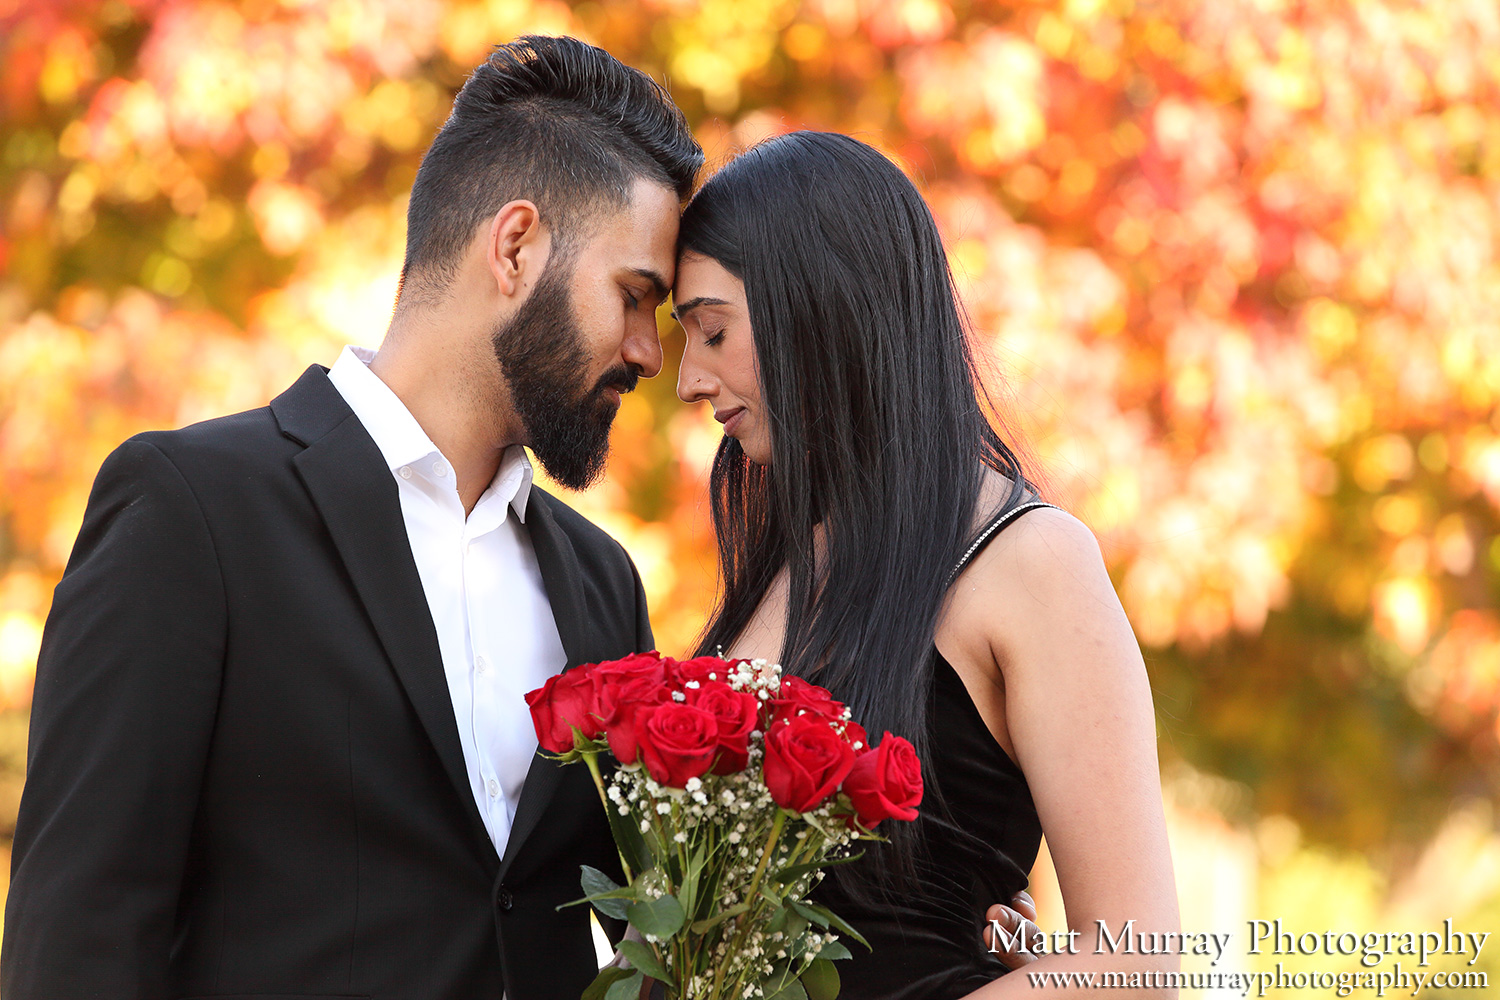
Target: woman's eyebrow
[{"x": 703, "y": 300}]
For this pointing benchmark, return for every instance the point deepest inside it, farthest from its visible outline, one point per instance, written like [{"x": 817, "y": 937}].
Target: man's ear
[{"x": 517, "y": 247}]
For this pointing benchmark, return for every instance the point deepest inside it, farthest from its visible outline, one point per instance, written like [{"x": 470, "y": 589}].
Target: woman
[{"x": 859, "y": 498}]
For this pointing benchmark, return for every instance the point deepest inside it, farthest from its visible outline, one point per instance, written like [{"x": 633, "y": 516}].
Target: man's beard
[{"x": 542, "y": 355}]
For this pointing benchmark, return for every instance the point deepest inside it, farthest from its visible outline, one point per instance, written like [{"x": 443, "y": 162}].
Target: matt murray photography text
[{"x": 1262, "y": 937}]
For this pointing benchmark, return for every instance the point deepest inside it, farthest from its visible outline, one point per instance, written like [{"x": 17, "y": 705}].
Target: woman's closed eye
[{"x": 713, "y": 339}]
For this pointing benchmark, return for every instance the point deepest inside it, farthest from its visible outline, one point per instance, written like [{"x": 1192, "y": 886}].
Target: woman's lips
[{"x": 731, "y": 419}]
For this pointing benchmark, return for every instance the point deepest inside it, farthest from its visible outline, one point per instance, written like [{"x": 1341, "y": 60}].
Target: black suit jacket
[{"x": 245, "y": 778}]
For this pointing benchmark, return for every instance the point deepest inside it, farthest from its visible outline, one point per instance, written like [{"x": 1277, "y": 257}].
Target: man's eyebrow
[
  {"x": 658, "y": 283},
  {"x": 703, "y": 300}
]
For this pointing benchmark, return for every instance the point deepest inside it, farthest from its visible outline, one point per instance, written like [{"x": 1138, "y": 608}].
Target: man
[{"x": 279, "y": 745}]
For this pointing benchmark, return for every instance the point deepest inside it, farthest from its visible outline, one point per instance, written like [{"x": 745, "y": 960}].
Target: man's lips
[{"x": 730, "y": 418}]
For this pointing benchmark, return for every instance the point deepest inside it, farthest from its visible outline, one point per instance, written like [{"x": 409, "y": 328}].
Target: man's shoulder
[
  {"x": 300, "y": 414},
  {"x": 238, "y": 439},
  {"x": 589, "y": 540}
]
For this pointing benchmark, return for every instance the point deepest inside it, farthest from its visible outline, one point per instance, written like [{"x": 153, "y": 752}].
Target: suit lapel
[
  {"x": 563, "y": 579},
  {"x": 352, "y": 488}
]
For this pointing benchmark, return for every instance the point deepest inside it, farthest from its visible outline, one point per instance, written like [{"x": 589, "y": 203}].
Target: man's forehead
[
  {"x": 642, "y": 234},
  {"x": 652, "y": 206}
]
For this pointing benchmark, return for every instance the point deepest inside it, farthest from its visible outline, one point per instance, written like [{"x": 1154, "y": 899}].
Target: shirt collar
[
  {"x": 514, "y": 477},
  {"x": 401, "y": 440}
]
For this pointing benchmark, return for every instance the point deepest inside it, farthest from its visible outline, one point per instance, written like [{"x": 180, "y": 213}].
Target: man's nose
[{"x": 642, "y": 347}]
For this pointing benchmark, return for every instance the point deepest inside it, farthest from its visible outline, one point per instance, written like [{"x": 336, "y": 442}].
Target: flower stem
[
  {"x": 589, "y": 758},
  {"x": 765, "y": 854},
  {"x": 748, "y": 917}
]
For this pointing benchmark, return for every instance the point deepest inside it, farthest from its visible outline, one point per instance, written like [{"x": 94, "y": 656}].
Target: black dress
[{"x": 927, "y": 944}]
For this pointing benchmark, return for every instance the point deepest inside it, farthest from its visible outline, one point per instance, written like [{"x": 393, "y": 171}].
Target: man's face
[{"x": 587, "y": 332}]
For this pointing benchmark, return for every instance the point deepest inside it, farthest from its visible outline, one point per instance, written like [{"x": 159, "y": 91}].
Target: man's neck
[{"x": 454, "y": 403}]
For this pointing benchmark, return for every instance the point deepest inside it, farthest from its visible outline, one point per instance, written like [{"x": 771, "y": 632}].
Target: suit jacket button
[{"x": 504, "y": 898}]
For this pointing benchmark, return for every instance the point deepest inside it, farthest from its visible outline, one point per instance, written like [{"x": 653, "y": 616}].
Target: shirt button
[
  {"x": 479, "y": 665},
  {"x": 494, "y": 788},
  {"x": 405, "y": 472},
  {"x": 439, "y": 469}
]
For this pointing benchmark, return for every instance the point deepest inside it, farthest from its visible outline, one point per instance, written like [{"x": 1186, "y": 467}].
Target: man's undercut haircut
[{"x": 556, "y": 121}]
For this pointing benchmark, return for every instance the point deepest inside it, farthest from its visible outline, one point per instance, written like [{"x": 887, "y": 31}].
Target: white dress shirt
[{"x": 494, "y": 624}]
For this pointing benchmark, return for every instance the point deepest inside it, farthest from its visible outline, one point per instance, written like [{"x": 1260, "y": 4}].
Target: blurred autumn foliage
[{"x": 1235, "y": 263}]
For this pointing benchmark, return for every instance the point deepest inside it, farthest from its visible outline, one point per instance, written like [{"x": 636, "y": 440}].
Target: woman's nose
[{"x": 693, "y": 384}]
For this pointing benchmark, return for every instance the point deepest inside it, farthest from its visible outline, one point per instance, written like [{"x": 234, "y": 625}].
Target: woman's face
[{"x": 718, "y": 361}]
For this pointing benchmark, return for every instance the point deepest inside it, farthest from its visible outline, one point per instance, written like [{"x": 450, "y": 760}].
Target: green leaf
[
  {"x": 777, "y": 921},
  {"x": 628, "y": 838},
  {"x": 794, "y": 871},
  {"x": 807, "y": 817},
  {"x": 595, "y": 881},
  {"x": 688, "y": 894},
  {"x": 660, "y": 918},
  {"x": 604, "y": 980},
  {"x": 642, "y": 957},
  {"x": 791, "y": 991},
  {"x": 628, "y": 988},
  {"x": 821, "y": 980},
  {"x": 834, "y": 951},
  {"x": 810, "y": 912},
  {"x": 775, "y": 981},
  {"x": 709, "y": 923},
  {"x": 606, "y": 902},
  {"x": 838, "y": 923},
  {"x": 595, "y": 886}
]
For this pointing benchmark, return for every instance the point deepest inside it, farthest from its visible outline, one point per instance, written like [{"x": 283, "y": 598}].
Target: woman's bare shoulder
[
  {"x": 1042, "y": 577},
  {"x": 1045, "y": 539}
]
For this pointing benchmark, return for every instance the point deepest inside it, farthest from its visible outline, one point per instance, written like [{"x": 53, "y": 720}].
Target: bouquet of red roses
[{"x": 735, "y": 788}]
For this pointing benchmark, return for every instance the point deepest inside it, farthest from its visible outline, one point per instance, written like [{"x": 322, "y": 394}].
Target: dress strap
[{"x": 989, "y": 532}]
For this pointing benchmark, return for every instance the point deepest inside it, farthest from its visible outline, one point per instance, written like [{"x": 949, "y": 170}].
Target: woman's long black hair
[{"x": 880, "y": 429}]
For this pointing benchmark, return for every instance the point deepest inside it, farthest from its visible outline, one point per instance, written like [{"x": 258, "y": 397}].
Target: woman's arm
[{"x": 1038, "y": 612}]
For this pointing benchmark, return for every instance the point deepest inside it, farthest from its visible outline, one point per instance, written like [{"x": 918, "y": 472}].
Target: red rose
[
  {"x": 798, "y": 697},
  {"x": 855, "y": 736},
  {"x": 736, "y": 712},
  {"x": 634, "y": 665},
  {"x": 614, "y": 677},
  {"x": 565, "y": 701},
  {"x": 700, "y": 667},
  {"x": 625, "y": 686},
  {"x": 622, "y": 704},
  {"x": 677, "y": 742},
  {"x": 885, "y": 784},
  {"x": 805, "y": 761}
]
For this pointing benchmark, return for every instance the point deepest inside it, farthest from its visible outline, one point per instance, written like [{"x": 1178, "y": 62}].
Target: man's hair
[{"x": 553, "y": 120}]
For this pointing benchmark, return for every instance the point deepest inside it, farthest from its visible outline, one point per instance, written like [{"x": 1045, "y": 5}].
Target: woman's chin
[{"x": 757, "y": 456}]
